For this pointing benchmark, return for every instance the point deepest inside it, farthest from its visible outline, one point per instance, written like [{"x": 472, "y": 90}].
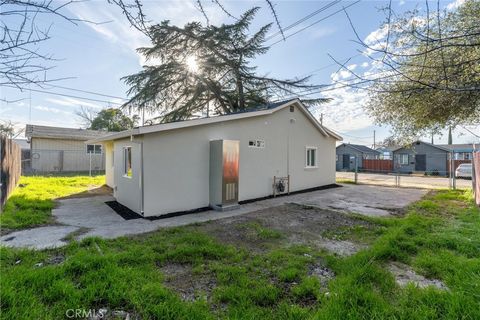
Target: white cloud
[
  {"x": 52, "y": 110},
  {"x": 119, "y": 31},
  {"x": 364, "y": 64},
  {"x": 71, "y": 102},
  {"x": 401, "y": 2},
  {"x": 455, "y": 4},
  {"x": 321, "y": 32}
]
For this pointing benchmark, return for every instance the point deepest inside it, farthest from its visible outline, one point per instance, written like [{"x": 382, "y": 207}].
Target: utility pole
[
  {"x": 432, "y": 139},
  {"x": 450, "y": 135},
  {"x": 374, "y": 142}
]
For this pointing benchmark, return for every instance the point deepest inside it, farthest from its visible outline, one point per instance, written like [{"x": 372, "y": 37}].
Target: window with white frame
[
  {"x": 127, "y": 162},
  {"x": 311, "y": 157},
  {"x": 403, "y": 158},
  {"x": 94, "y": 148},
  {"x": 256, "y": 143}
]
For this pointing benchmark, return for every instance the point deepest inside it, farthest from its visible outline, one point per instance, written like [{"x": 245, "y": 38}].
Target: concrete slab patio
[{"x": 85, "y": 217}]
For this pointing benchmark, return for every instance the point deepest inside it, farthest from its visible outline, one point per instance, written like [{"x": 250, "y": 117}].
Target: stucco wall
[
  {"x": 436, "y": 159},
  {"x": 176, "y": 162},
  {"x": 49, "y": 155},
  {"x": 127, "y": 190}
]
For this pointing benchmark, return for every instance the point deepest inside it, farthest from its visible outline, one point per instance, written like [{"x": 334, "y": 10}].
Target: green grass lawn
[
  {"x": 439, "y": 237},
  {"x": 32, "y": 201}
]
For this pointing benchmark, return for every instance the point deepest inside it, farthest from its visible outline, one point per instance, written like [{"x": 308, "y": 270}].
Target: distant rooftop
[
  {"x": 459, "y": 147},
  {"x": 34, "y": 131},
  {"x": 359, "y": 147}
]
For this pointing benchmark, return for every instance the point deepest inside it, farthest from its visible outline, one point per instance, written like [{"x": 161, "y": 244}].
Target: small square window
[
  {"x": 256, "y": 143},
  {"x": 311, "y": 155},
  {"x": 292, "y": 108}
]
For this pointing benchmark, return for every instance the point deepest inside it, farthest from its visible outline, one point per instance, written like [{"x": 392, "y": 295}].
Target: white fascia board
[{"x": 115, "y": 136}]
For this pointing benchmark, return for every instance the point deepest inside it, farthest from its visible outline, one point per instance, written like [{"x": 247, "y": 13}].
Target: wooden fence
[
  {"x": 10, "y": 155},
  {"x": 377, "y": 165}
]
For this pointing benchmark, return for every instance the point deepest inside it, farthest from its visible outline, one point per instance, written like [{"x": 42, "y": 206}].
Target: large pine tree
[{"x": 202, "y": 67}]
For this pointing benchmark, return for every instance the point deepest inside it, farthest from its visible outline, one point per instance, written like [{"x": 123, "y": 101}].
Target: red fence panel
[{"x": 377, "y": 165}]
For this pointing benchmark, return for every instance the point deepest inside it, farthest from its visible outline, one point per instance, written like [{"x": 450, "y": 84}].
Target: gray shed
[{"x": 347, "y": 152}]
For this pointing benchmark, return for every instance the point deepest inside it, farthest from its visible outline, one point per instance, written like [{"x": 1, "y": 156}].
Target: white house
[{"x": 219, "y": 161}]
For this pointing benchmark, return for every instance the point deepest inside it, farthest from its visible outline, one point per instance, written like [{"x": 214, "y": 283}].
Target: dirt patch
[
  {"x": 293, "y": 224},
  {"x": 322, "y": 273},
  {"x": 189, "y": 285},
  {"x": 339, "y": 247},
  {"x": 404, "y": 275},
  {"x": 93, "y": 190}
]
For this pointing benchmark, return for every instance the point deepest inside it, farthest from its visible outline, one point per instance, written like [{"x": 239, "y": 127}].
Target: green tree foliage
[
  {"x": 199, "y": 66},
  {"x": 430, "y": 71},
  {"x": 112, "y": 119}
]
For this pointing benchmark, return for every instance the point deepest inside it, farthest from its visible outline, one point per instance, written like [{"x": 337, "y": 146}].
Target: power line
[
  {"x": 316, "y": 22},
  {"x": 294, "y": 24},
  {"x": 64, "y": 95},
  {"x": 86, "y": 91}
]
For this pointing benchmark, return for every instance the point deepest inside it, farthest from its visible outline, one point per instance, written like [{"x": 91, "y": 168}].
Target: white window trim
[
  {"x": 401, "y": 157},
  {"x": 125, "y": 175},
  {"x": 306, "y": 157},
  {"x": 86, "y": 148}
]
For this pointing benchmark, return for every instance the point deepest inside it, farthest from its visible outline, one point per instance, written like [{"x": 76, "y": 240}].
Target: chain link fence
[
  {"x": 63, "y": 161},
  {"x": 433, "y": 171}
]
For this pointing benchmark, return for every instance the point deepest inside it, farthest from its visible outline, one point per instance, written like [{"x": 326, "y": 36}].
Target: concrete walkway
[{"x": 85, "y": 217}]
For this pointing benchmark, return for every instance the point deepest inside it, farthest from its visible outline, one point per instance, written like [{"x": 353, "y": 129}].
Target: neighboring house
[
  {"x": 430, "y": 158},
  {"x": 421, "y": 156},
  {"x": 55, "y": 149},
  {"x": 460, "y": 151},
  {"x": 346, "y": 154},
  {"x": 219, "y": 161},
  {"x": 386, "y": 153}
]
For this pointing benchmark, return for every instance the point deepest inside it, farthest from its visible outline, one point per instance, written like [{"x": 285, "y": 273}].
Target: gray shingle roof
[
  {"x": 34, "y": 131},
  {"x": 360, "y": 148}
]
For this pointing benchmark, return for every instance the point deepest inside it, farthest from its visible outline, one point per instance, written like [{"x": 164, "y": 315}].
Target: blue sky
[{"x": 96, "y": 56}]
